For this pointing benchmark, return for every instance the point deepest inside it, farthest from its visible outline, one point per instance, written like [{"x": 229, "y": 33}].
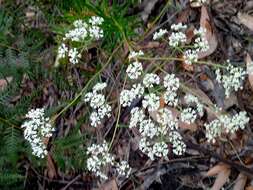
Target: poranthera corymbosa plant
[{"x": 163, "y": 101}]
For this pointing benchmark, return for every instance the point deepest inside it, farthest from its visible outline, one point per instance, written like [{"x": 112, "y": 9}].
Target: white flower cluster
[
  {"x": 190, "y": 99},
  {"x": 171, "y": 84},
  {"x": 154, "y": 133},
  {"x": 37, "y": 129},
  {"x": 134, "y": 70},
  {"x": 123, "y": 169},
  {"x": 100, "y": 158},
  {"x": 134, "y": 54},
  {"x": 150, "y": 79},
  {"x": 198, "y": 2},
  {"x": 128, "y": 96},
  {"x": 226, "y": 123},
  {"x": 98, "y": 103},
  {"x": 188, "y": 115},
  {"x": 151, "y": 101},
  {"x": 159, "y": 34},
  {"x": 178, "y": 36},
  {"x": 232, "y": 78},
  {"x": 178, "y": 145},
  {"x": 200, "y": 44},
  {"x": 82, "y": 31}
]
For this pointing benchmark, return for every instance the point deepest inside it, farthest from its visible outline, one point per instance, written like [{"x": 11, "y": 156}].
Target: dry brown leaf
[
  {"x": 221, "y": 179},
  {"x": 210, "y": 35},
  {"x": 51, "y": 171},
  {"x": 249, "y": 187},
  {"x": 240, "y": 182},
  {"x": 4, "y": 82},
  {"x": 249, "y": 65},
  {"x": 110, "y": 185},
  {"x": 246, "y": 20},
  {"x": 216, "y": 169}
]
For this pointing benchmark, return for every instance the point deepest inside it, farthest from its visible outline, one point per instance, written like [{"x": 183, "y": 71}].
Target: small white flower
[
  {"x": 137, "y": 116},
  {"x": 232, "y": 79},
  {"x": 128, "y": 96},
  {"x": 178, "y": 145},
  {"x": 95, "y": 20},
  {"x": 166, "y": 118},
  {"x": 150, "y": 79},
  {"x": 234, "y": 123},
  {"x": 96, "y": 32},
  {"x": 190, "y": 56},
  {"x": 188, "y": 115},
  {"x": 171, "y": 83},
  {"x": 62, "y": 51},
  {"x": 213, "y": 130},
  {"x": 74, "y": 55},
  {"x": 177, "y": 27},
  {"x": 148, "y": 128},
  {"x": 177, "y": 38},
  {"x": 159, "y": 34},
  {"x": 134, "y": 54},
  {"x": 97, "y": 102},
  {"x": 134, "y": 70},
  {"x": 160, "y": 149},
  {"x": 170, "y": 98},
  {"x": 99, "y": 159},
  {"x": 123, "y": 169},
  {"x": 200, "y": 43},
  {"x": 151, "y": 102},
  {"x": 99, "y": 87},
  {"x": 190, "y": 99},
  {"x": 36, "y": 128}
]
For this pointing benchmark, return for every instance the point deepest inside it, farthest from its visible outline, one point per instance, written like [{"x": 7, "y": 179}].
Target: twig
[
  {"x": 71, "y": 182},
  {"x": 245, "y": 170}
]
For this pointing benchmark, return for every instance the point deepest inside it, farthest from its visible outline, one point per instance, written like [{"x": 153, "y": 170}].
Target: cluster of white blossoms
[
  {"x": 83, "y": 31},
  {"x": 193, "y": 100},
  {"x": 36, "y": 129},
  {"x": 231, "y": 79},
  {"x": 134, "y": 54},
  {"x": 100, "y": 158},
  {"x": 155, "y": 132},
  {"x": 98, "y": 103},
  {"x": 178, "y": 35},
  {"x": 171, "y": 84},
  {"x": 198, "y": 2},
  {"x": 134, "y": 70},
  {"x": 128, "y": 96},
  {"x": 159, "y": 34},
  {"x": 227, "y": 124},
  {"x": 150, "y": 79},
  {"x": 200, "y": 44},
  {"x": 188, "y": 115}
]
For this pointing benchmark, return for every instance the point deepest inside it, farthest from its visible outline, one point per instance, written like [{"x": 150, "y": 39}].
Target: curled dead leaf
[
  {"x": 110, "y": 185},
  {"x": 221, "y": 179},
  {"x": 249, "y": 64},
  {"x": 210, "y": 35},
  {"x": 240, "y": 182},
  {"x": 246, "y": 20},
  {"x": 216, "y": 169},
  {"x": 51, "y": 170},
  {"x": 4, "y": 82}
]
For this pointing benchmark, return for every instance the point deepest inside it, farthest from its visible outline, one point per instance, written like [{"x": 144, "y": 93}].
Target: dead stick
[{"x": 245, "y": 170}]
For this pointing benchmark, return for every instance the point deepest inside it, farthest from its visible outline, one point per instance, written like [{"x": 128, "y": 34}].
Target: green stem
[{"x": 85, "y": 87}]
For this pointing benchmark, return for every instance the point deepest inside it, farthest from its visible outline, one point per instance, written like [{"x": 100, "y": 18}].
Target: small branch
[
  {"x": 245, "y": 170},
  {"x": 71, "y": 182}
]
